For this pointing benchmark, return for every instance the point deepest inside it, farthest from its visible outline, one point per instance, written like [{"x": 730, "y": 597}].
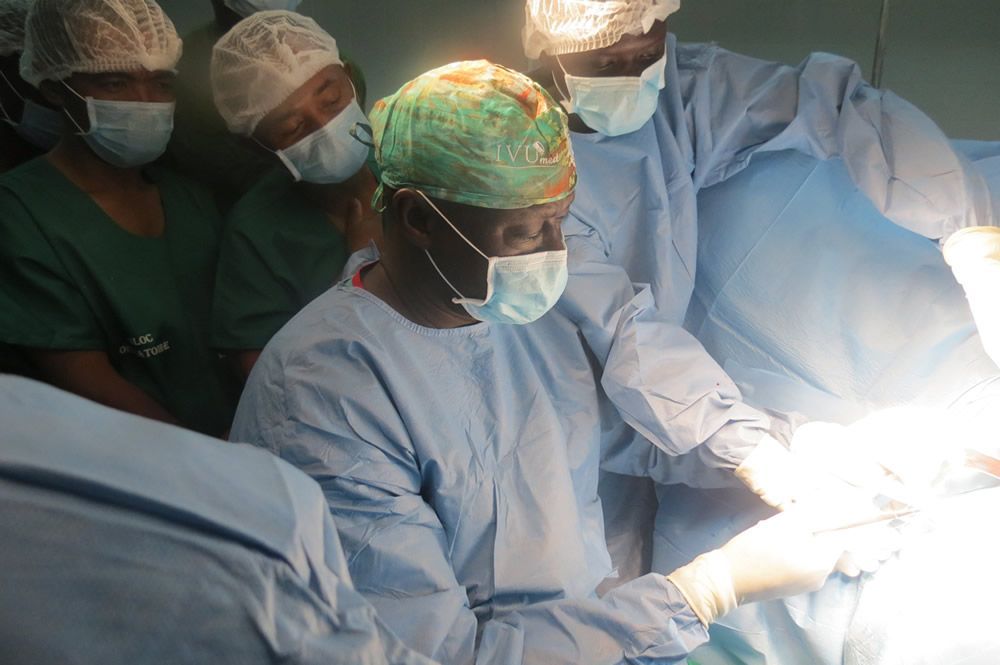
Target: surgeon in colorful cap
[
  {"x": 202, "y": 147},
  {"x": 280, "y": 84},
  {"x": 29, "y": 125},
  {"x": 652, "y": 122},
  {"x": 453, "y": 418},
  {"x": 106, "y": 259}
]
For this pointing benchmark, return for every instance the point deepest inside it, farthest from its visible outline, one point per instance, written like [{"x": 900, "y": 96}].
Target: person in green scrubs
[
  {"x": 28, "y": 127},
  {"x": 107, "y": 262},
  {"x": 279, "y": 81}
]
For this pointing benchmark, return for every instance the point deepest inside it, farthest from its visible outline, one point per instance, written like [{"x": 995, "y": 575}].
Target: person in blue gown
[
  {"x": 128, "y": 541},
  {"x": 455, "y": 421}
]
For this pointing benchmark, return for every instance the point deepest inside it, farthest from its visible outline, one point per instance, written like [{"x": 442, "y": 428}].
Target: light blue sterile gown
[
  {"x": 127, "y": 541},
  {"x": 634, "y": 219},
  {"x": 819, "y": 307},
  {"x": 461, "y": 466}
]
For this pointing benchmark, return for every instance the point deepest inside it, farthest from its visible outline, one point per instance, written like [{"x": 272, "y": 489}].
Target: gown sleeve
[
  {"x": 661, "y": 379},
  {"x": 736, "y": 105}
]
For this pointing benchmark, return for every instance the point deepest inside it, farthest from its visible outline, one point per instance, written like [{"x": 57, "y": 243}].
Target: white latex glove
[
  {"x": 778, "y": 557},
  {"x": 772, "y": 473},
  {"x": 903, "y": 453},
  {"x": 974, "y": 256},
  {"x": 831, "y": 480}
]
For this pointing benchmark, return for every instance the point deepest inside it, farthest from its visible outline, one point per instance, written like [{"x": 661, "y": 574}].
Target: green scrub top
[
  {"x": 279, "y": 252},
  {"x": 72, "y": 279}
]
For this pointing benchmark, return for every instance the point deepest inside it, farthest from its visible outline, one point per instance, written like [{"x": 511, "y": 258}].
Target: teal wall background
[{"x": 943, "y": 55}]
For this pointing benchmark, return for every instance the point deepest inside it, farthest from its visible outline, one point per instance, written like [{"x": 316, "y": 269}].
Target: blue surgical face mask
[
  {"x": 519, "y": 289},
  {"x": 126, "y": 134},
  {"x": 334, "y": 152},
  {"x": 615, "y": 105},
  {"x": 247, "y": 7},
  {"x": 39, "y": 125}
]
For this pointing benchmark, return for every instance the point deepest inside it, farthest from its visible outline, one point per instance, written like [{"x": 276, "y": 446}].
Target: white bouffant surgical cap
[
  {"x": 571, "y": 26},
  {"x": 264, "y": 59},
  {"x": 64, "y": 37},
  {"x": 12, "y": 16}
]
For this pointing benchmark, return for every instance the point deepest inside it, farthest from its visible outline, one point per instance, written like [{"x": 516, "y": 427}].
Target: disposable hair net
[
  {"x": 63, "y": 37},
  {"x": 571, "y": 26},
  {"x": 264, "y": 59},
  {"x": 475, "y": 133},
  {"x": 13, "y": 14}
]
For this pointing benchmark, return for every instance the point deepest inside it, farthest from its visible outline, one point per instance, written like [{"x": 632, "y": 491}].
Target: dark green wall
[{"x": 943, "y": 55}]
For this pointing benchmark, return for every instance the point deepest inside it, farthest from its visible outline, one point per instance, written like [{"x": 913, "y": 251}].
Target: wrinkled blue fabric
[
  {"x": 821, "y": 308},
  {"x": 632, "y": 231},
  {"x": 803, "y": 277},
  {"x": 461, "y": 466},
  {"x": 130, "y": 541}
]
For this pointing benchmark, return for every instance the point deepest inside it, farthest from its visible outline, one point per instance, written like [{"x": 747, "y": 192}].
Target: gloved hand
[
  {"x": 772, "y": 473},
  {"x": 901, "y": 453},
  {"x": 832, "y": 478},
  {"x": 778, "y": 557},
  {"x": 974, "y": 256},
  {"x": 784, "y": 478}
]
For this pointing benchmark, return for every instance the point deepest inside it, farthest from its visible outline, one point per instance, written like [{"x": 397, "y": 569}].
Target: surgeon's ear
[{"x": 413, "y": 215}]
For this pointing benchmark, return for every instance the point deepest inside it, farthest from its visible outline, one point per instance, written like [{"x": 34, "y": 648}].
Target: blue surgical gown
[
  {"x": 130, "y": 541},
  {"x": 819, "y": 306},
  {"x": 632, "y": 231},
  {"x": 461, "y": 467}
]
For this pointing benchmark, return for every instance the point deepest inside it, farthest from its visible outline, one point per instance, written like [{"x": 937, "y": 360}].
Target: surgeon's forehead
[
  {"x": 542, "y": 211},
  {"x": 558, "y": 208}
]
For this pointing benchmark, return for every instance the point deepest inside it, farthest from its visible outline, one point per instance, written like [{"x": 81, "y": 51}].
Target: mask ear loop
[
  {"x": 353, "y": 131},
  {"x": 567, "y": 100},
  {"x": 90, "y": 113},
  {"x": 490, "y": 262},
  {"x": 3, "y": 110},
  {"x": 453, "y": 227},
  {"x": 280, "y": 154},
  {"x": 370, "y": 142}
]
